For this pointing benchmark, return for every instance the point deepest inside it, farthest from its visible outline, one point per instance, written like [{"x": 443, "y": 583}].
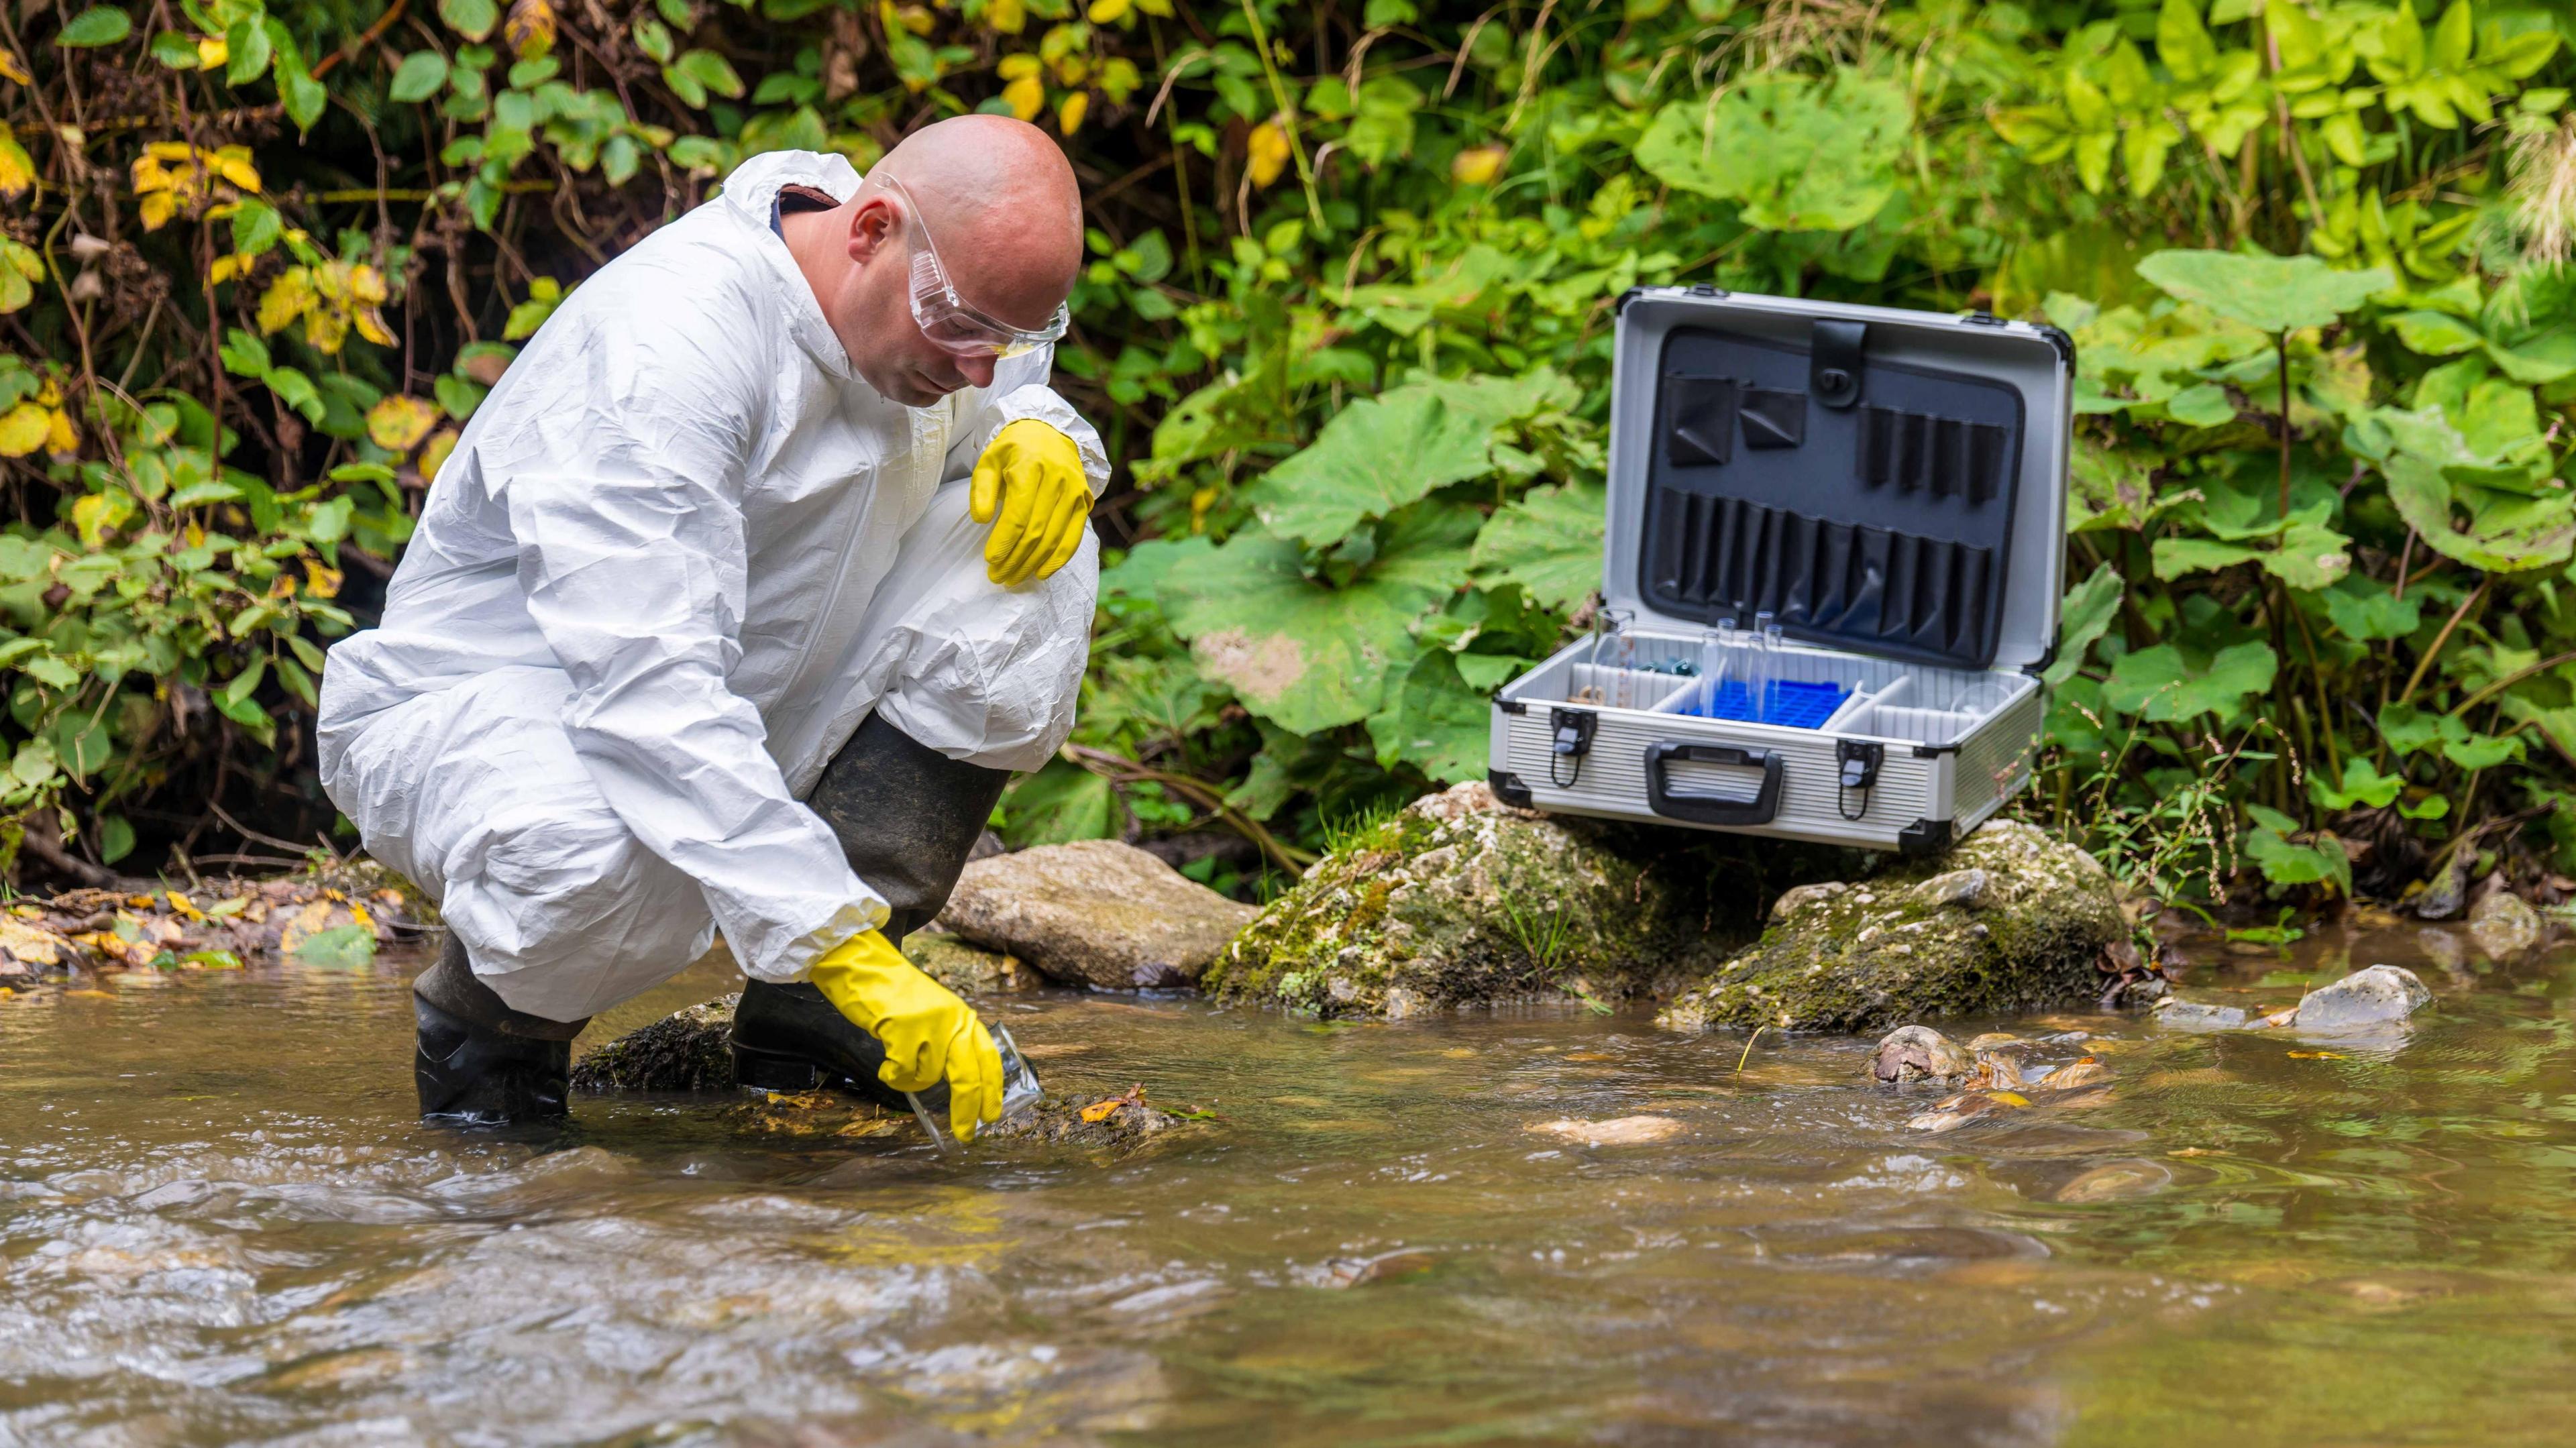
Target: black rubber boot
[
  {"x": 479, "y": 1061},
  {"x": 907, "y": 816}
]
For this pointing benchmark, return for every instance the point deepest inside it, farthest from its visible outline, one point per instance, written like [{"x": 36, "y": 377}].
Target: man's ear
[{"x": 871, "y": 228}]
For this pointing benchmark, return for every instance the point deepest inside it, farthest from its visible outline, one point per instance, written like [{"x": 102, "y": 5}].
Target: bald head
[{"x": 1001, "y": 203}]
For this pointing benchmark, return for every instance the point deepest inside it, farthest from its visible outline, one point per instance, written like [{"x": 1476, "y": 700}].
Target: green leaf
[
  {"x": 2497, "y": 529},
  {"x": 115, "y": 838},
  {"x": 712, "y": 71},
  {"x": 1549, "y": 543},
  {"x": 2433, "y": 334},
  {"x": 1383, "y": 452},
  {"x": 178, "y": 52},
  {"x": 1060, "y": 803},
  {"x": 1800, "y": 154},
  {"x": 2159, "y": 684},
  {"x": 422, "y": 74},
  {"x": 1436, "y": 722},
  {"x": 472, "y": 19},
  {"x": 248, "y": 51},
  {"x": 342, "y": 947},
  {"x": 1297, "y": 651},
  {"x": 2364, "y": 611},
  {"x": 2283, "y": 862},
  {"x": 2363, "y": 784},
  {"x": 50, "y": 671},
  {"x": 2268, "y": 293},
  {"x": 2083, "y": 617},
  {"x": 98, "y": 25}
]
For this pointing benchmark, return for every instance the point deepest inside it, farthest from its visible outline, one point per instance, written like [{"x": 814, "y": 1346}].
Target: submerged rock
[
  {"x": 1121, "y": 1124},
  {"x": 687, "y": 1050},
  {"x": 966, "y": 968},
  {"x": 2010, "y": 921},
  {"x": 2504, "y": 925},
  {"x": 2186, "y": 1015},
  {"x": 2381, "y": 995},
  {"x": 1919, "y": 1053},
  {"x": 1459, "y": 899},
  {"x": 1096, "y": 913}
]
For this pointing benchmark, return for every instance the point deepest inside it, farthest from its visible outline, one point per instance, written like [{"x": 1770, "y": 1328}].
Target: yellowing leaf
[
  {"x": 233, "y": 164},
  {"x": 95, "y": 515},
  {"x": 224, "y": 269},
  {"x": 1008, "y": 17},
  {"x": 1068, "y": 117},
  {"x": 321, "y": 582},
  {"x": 1269, "y": 146},
  {"x": 212, "y": 51},
  {"x": 287, "y": 298},
  {"x": 399, "y": 423},
  {"x": 23, "y": 429},
  {"x": 371, "y": 325},
  {"x": 60, "y": 436},
  {"x": 1026, "y": 97},
  {"x": 17, "y": 168},
  {"x": 157, "y": 209},
  {"x": 531, "y": 28},
  {"x": 14, "y": 68},
  {"x": 1018, "y": 67},
  {"x": 1477, "y": 165},
  {"x": 1108, "y": 12},
  {"x": 433, "y": 454}
]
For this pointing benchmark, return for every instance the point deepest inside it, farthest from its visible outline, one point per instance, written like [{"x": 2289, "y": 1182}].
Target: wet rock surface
[
  {"x": 1096, "y": 913},
  {"x": 687, "y": 1050},
  {"x": 2504, "y": 925},
  {"x": 1120, "y": 1124},
  {"x": 2010, "y": 921},
  {"x": 1462, "y": 900},
  {"x": 1918, "y": 1053},
  {"x": 967, "y": 968},
  {"x": 2379, "y": 996}
]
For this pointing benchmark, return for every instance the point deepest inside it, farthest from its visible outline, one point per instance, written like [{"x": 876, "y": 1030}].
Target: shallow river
[{"x": 219, "y": 1224}]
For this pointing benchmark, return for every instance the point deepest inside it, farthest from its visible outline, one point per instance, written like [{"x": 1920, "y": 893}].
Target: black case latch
[
  {"x": 1834, "y": 362},
  {"x": 1857, "y": 762},
  {"x": 1569, "y": 737}
]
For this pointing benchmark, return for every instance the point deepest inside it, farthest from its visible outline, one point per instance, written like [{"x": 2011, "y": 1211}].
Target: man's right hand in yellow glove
[{"x": 927, "y": 1031}]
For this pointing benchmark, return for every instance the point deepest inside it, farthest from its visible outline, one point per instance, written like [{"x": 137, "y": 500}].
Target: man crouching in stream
[{"x": 734, "y": 608}]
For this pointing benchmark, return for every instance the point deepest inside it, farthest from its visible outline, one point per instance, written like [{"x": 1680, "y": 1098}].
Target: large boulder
[
  {"x": 1460, "y": 899},
  {"x": 2011, "y": 920},
  {"x": 1095, "y": 913}
]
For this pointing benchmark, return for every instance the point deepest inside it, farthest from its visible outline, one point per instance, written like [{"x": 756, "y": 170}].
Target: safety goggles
[{"x": 945, "y": 317}]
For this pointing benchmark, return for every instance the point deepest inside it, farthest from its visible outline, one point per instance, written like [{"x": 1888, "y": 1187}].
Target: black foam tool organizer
[{"x": 1867, "y": 504}]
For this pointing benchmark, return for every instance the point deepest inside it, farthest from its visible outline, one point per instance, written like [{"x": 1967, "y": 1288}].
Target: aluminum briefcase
[{"x": 1887, "y": 490}]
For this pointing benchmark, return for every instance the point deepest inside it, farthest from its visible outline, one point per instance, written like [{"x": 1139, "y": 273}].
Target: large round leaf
[
  {"x": 1305, "y": 655},
  {"x": 1800, "y": 154},
  {"x": 2265, "y": 292},
  {"x": 1381, "y": 453},
  {"x": 1549, "y": 543}
]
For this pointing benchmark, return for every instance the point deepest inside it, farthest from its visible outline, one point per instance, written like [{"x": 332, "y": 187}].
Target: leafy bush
[{"x": 1347, "y": 327}]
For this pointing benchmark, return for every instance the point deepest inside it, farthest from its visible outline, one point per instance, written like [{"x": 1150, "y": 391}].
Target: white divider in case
[{"x": 1891, "y": 486}]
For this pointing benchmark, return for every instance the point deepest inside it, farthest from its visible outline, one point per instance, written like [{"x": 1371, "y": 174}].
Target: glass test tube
[
  {"x": 1716, "y": 663},
  {"x": 1759, "y": 664},
  {"x": 1775, "y": 649}
]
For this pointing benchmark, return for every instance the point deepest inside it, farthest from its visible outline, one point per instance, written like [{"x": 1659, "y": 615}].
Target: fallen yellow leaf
[{"x": 1269, "y": 147}]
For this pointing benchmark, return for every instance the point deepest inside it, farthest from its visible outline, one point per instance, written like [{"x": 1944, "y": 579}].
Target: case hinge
[{"x": 1834, "y": 362}]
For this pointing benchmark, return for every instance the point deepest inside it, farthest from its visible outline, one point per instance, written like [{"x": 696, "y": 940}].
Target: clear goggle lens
[{"x": 945, "y": 318}]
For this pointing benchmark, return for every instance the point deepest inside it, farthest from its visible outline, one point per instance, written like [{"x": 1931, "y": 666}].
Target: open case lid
[{"x": 1886, "y": 482}]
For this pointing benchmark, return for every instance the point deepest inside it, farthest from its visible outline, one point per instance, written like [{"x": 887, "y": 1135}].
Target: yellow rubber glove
[
  {"x": 928, "y": 1032},
  {"x": 1029, "y": 486}
]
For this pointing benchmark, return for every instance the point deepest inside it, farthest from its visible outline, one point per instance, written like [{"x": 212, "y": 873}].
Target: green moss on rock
[
  {"x": 1457, "y": 900},
  {"x": 2011, "y": 920}
]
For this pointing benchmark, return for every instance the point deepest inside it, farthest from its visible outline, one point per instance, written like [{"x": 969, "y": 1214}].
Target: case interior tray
[{"x": 1877, "y": 524}]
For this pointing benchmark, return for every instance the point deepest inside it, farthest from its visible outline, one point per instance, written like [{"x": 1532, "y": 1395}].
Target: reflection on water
[{"x": 219, "y": 1224}]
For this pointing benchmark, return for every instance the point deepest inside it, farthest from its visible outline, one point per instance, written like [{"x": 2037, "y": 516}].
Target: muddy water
[{"x": 219, "y": 1224}]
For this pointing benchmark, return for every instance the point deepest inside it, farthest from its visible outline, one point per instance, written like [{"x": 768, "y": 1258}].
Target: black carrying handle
[{"x": 1712, "y": 809}]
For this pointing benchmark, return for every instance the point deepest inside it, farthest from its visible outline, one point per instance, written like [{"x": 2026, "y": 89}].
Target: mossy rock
[
  {"x": 688, "y": 1050},
  {"x": 1460, "y": 900},
  {"x": 2012, "y": 920}
]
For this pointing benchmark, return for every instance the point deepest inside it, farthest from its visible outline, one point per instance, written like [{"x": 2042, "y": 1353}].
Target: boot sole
[{"x": 767, "y": 1071}]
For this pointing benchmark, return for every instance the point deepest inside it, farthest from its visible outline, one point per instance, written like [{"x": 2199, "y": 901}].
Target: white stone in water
[
  {"x": 1914, "y": 1053},
  {"x": 2504, "y": 925},
  {"x": 2377, "y": 996},
  {"x": 2198, "y": 1015},
  {"x": 1617, "y": 1131}
]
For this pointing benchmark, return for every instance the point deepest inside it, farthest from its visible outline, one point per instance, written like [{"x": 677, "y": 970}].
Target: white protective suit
[{"x": 678, "y": 555}]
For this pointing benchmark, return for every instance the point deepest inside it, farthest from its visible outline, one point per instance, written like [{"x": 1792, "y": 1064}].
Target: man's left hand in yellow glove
[
  {"x": 1030, "y": 486},
  {"x": 929, "y": 1034}
]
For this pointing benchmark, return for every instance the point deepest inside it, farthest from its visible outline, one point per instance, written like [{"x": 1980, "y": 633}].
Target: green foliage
[{"x": 1345, "y": 319}]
